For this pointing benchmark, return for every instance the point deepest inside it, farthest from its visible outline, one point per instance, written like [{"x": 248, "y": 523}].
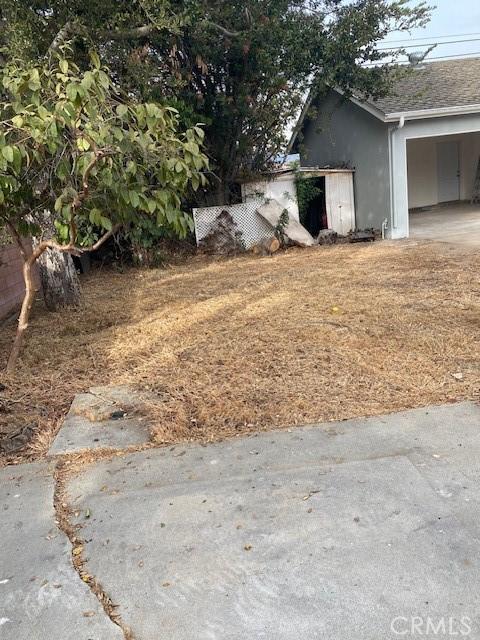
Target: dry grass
[{"x": 248, "y": 344}]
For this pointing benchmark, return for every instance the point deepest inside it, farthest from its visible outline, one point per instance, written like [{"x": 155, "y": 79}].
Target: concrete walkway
[
  {"x": 354, "y": 530},
  {"x": 455, "y": 223}
]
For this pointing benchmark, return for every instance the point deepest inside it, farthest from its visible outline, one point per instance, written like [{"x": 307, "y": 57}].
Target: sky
[{"x": 450, "y": 19}]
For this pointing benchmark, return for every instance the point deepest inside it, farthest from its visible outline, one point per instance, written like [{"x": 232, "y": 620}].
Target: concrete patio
[{"x": 456, "y": 223}]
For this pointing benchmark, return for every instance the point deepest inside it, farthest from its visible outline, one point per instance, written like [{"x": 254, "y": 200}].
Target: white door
[
  {"x": 339, "y": 200},
  {"x": 448, "y": 166}
]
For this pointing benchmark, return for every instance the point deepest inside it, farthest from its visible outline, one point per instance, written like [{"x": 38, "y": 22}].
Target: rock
[
  {"x": 17, "y": 440},
  {"x": 272, "y": 211}
]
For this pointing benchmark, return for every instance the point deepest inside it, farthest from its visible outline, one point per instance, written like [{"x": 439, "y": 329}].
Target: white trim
[
  {"x": 421, "y": 114},
  {"x": 366, "y": 106},
  {"x": 418, "y": 114}
]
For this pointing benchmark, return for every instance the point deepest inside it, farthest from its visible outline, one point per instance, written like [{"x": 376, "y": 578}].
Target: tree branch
[
  {"x": 68, "y": 28},
  {"x": 126, "y": 34},
  {"x": 226, "y": 32},
  {"x": 147, "y": 29},
  {"x": 18, "y": 238}
]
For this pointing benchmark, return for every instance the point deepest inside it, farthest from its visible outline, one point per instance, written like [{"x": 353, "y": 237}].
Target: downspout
[{"x": 401, "y": 124}]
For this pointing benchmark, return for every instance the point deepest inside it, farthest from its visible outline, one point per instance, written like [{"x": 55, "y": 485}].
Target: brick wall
[{"x": 11, "y": 278}]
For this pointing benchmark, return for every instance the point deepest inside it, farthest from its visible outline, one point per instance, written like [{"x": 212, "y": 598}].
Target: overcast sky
[{"x": 449, "y": 18}]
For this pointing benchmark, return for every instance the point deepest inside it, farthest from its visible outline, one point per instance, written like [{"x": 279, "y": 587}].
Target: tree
[
  {"x": 71, "y": 147},
  {"x": 243, "y": 67}
]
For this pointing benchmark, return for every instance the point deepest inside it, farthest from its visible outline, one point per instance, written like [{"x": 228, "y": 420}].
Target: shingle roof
[{"x": 435, "y": 85}]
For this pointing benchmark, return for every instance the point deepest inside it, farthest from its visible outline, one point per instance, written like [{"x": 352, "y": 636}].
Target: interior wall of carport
[
  {"x": 415, "y": 129},
  {"x": 423, "y": 171}
]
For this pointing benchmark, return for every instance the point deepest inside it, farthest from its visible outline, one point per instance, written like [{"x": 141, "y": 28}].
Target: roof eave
[{"x": 442, "y": 112}]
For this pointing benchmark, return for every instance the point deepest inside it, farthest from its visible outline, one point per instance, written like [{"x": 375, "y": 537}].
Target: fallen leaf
[
  {"x": 88, "y": 614},
  {"x": 78, "y": 550},
  {"x": 248, "y": 547}
]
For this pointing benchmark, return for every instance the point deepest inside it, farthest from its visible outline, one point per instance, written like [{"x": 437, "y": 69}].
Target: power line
[
  {"x": 427, "y": 44},
  {"x": 444, "y": 58},
  {"x": 451, "y": 35},
  {"x": 454, "y": 55}
]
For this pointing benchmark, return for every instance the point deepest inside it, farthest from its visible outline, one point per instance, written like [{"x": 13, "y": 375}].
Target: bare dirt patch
[{"x": 249, "y": 343}]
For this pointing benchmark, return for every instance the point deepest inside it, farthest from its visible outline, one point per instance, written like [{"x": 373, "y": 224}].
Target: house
[{"x": 414, "y": 149}]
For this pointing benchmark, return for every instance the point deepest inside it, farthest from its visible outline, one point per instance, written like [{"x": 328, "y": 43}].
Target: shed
[{"x": 318, "y": 198}]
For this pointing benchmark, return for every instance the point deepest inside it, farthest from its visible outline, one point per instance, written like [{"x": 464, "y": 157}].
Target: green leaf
[
  {"x": 17, "y": 159},
  {"x": 87, "y": 80},
  {"x": 134, "y": 199},
  {"x": 63, "y": 66},
  {"x": 95, "y": 217},
  {"x": 131, "y": 168},
  {"x": 122, "y": 110},
  {"x": 17, "y": 121},
  {"x": 7, "y": 153},
  {"x": 83, "y": 144},
  {"x": 104, "y": 80},
  {"x": 95, "y": 59},
  {"x": 72, "y": 90},
  {"x": 106, "y": 223}
]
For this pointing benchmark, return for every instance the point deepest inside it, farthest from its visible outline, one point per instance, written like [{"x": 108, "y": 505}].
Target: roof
[
  {"x": 433, "y": 86},
  {"x": 430, "y": 90}
]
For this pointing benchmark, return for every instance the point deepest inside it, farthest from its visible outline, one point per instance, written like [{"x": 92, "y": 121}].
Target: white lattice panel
[{"x": 251, "y": 225}]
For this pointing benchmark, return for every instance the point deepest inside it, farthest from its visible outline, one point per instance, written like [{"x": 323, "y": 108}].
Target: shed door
[
  {"x": 340, "y": 202},
  {"x": 448, "y": 167}
]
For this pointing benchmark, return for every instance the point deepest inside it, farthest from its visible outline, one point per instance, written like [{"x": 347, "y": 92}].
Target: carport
[
  {"x": 441, "y": 177},
  {"x": 434, "y": 150}
]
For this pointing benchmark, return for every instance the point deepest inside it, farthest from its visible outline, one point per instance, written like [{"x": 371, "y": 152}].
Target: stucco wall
[
  {"x": 12, "y": 287},
  {"x": 422, "y": 168},
  {"x": 344, "y": 134}
]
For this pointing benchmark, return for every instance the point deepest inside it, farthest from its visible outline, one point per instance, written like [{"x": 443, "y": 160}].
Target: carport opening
[{"x": 443, "y": 185}]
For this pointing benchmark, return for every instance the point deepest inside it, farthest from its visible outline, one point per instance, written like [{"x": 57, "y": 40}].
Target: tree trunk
[
  {"x": 24, "y": 315},
  {"x": 59, "y": 278}
]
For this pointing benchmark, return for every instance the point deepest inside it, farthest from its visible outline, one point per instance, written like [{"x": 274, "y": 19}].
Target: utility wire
[
  {"x": 427, "y": 44},
  {"x": 451, "y": 35},
  {"x": 445, "y": 58}
]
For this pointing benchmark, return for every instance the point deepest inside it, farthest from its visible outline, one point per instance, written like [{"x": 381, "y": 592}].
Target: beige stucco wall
[{"x": 422, "y": 168}]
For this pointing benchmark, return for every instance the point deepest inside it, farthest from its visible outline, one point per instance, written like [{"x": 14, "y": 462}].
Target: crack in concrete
[{"x": 63, "y": 513}]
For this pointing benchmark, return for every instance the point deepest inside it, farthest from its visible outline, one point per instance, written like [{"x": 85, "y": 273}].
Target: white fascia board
[
  {"x": 418, "y": 114},
  {"x": 375, "y": 111},
  {"x": 433, "y": 113}
]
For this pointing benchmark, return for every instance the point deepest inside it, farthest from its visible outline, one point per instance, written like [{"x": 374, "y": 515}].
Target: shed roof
[{"x": 435, "y": 85}]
